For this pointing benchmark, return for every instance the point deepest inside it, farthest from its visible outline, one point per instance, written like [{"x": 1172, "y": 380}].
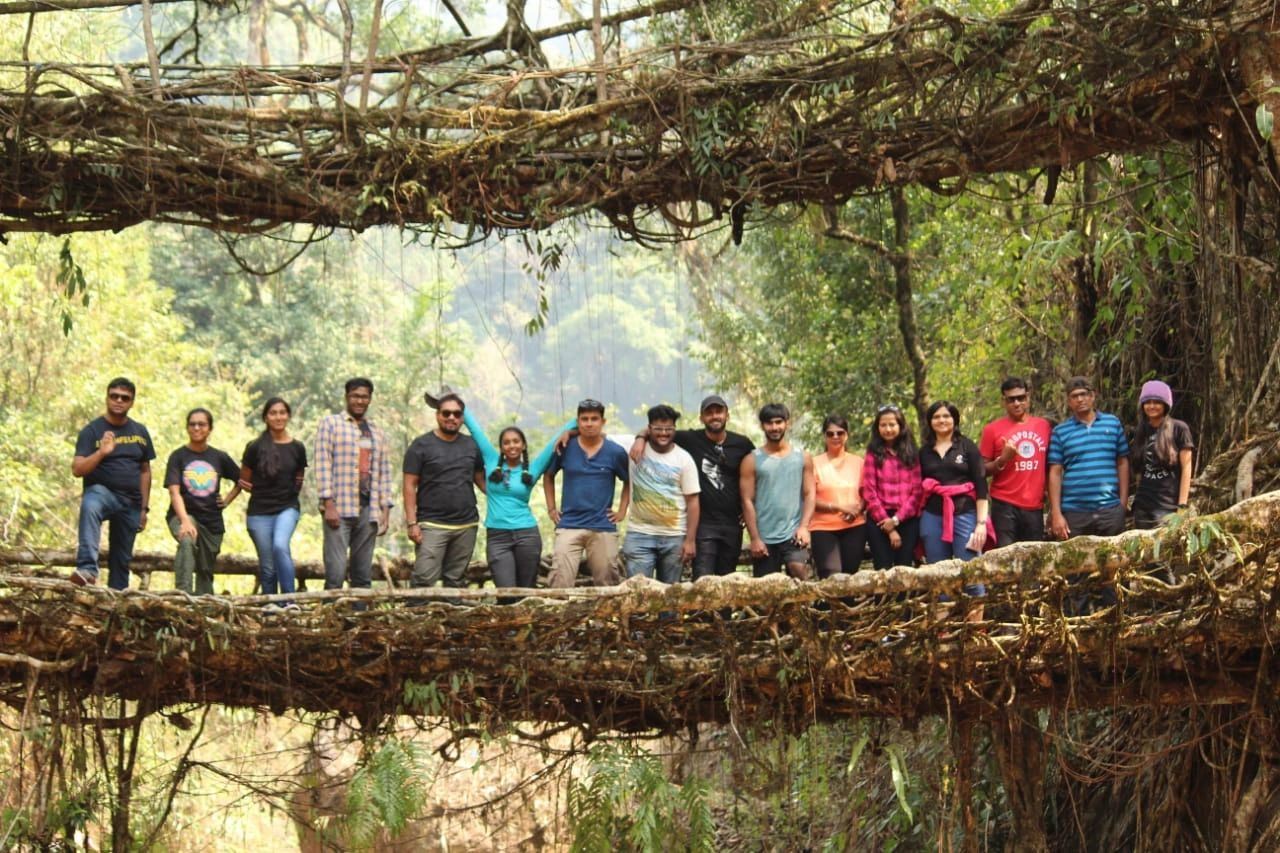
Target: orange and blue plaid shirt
[{"x": 337, "y": 461}]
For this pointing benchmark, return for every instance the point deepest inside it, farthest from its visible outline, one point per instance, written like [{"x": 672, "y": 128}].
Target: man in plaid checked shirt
[{"x": 353, "y": 478}]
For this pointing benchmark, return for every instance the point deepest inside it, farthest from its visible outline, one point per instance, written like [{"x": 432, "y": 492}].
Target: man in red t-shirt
[{"x": 1015, "y": 448}]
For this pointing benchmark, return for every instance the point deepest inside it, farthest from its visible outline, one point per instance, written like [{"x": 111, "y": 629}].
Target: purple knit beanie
[{"x": 1156, "y": 390}]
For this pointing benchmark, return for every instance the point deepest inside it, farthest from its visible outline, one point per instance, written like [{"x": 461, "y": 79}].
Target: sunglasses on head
[
  {"x": 590, "y": 403},
  {"x": 883, "y": 409}
]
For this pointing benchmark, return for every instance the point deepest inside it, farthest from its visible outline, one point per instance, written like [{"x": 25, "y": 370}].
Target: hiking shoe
[{"x": 78, "y": 579}]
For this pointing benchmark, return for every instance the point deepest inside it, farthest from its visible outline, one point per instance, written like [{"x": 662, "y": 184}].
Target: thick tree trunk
[
  {"x": 126, "y": 760},
  {"x": 1085, "y": 277},
  {"x": 1019, "y": 746},
  {"x": 902, "y": 291}
]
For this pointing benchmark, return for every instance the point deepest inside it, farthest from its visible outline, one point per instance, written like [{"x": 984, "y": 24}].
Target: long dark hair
[
  {"x": 929, "y": 438},
  {"x": 498, "y": 475},
  {"x": 1166, "y": 450},
  {"x": 271, "y": 456},
  {"x": 904, "y": 445}
]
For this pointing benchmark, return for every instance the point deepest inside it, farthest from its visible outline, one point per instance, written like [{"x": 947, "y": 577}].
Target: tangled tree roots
[
  {"x": 1194, "y": 613},
  {"x": 814, "y": 104}
]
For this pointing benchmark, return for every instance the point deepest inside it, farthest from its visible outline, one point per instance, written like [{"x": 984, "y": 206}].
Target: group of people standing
[
  {"x": 687, "y": 495},
  {"x": 113, "y": 457}
]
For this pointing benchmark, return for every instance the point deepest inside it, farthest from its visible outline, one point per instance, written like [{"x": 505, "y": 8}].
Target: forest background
[{"x": 815, "y": 308}]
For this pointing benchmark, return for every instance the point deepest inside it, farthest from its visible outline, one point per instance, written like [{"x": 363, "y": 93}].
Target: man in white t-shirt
[{"x": 663, "y": 519}]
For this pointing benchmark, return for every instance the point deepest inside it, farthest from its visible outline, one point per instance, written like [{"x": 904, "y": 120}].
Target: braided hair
[{"x": 525, "y": 477}]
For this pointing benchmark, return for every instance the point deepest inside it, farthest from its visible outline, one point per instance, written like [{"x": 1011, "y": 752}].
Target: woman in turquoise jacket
[{"x": 513, "y": 542}]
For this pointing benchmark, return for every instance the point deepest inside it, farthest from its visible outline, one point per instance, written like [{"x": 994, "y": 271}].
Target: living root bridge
[
  {"x": 642, "y": 656},
  {"x": 806, "y": 107}
]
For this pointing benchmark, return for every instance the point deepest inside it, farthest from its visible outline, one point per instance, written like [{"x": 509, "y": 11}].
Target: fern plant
[
  {"x": 626, "y": 802},
  {"x": 385, "y": 793}
]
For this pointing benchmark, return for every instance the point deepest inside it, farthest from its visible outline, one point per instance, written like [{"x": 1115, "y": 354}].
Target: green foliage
[
  {"x": 423, "y": 698},
  {"x": 54, "y": 381},
  {"x": 74, "y": 287},
  {"x": 385, "y": 793},
  {"x": 626, "y": 802},
  {"x": 298, "y": 333},
  {"x": 1264, "y": 121},
  {"x": 64, "y": 817},
  {"x": 813, "y": 320}
]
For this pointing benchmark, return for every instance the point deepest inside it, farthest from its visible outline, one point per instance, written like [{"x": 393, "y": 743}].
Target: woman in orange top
[{"x": 839, "y": 531}]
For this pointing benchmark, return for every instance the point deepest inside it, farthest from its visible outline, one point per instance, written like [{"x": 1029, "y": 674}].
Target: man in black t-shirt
[
  {"x": 113, "y": 457},
  {"x": 718, "y": 454},
  {"x": 442, "y": 470}
]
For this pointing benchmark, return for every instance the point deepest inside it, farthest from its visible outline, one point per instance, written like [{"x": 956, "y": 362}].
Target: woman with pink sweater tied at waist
[{"x": 954, "y": 521}]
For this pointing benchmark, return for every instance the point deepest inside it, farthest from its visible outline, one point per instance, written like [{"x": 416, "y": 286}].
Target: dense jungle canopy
[{"x": 833, "y": 203}]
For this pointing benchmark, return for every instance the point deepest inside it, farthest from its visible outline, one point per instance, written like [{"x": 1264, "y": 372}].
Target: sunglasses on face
[
  {"x": 450, "y": 413},
  {"x": 120, "y": 398},
  {"x": 1015, "y": 398},
  {"x": 197, "y": 425},
  {"x": 836, "y": 433}
]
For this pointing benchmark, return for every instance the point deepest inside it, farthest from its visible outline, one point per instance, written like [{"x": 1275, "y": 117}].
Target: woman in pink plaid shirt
[{"x": 891, "y": 490}]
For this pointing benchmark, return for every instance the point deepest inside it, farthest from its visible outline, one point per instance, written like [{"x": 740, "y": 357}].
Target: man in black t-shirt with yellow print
[{"x": 113, "y": 457}]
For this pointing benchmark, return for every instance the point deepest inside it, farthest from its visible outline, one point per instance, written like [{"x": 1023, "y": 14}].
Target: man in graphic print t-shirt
[
  {"x": 1016, "y": 448},
  {"x": 113, "y": 457},
  {"x": 664, "y": 512}
]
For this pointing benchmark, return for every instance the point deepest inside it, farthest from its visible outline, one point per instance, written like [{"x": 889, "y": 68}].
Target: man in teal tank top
[{"x": 778, "y": 498}]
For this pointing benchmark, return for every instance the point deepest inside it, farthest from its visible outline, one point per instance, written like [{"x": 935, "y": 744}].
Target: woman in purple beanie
[{"x": 1162, "y": 455}]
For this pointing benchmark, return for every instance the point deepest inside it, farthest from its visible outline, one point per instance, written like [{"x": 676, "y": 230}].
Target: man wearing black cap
[{"x": 718, "y": 455}]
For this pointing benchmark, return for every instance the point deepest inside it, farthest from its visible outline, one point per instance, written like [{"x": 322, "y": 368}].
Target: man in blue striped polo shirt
[{"x": 1088, "y": 468}]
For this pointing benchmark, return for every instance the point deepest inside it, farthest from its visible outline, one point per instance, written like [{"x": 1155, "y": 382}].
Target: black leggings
[
  {"x": 885, "y": 557},
  {"x": 838, "y": 550}
]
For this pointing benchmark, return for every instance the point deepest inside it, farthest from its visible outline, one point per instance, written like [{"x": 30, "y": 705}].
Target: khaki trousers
[{"x": 598, "y": 547}]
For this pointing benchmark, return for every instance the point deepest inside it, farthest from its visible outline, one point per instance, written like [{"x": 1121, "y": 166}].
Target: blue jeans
[
  {"x": 271, "y": 535},
  {"x": 100, "y": 504},
  {"x": 935, "y": 550},
  {"x": 645, "y": 551}
]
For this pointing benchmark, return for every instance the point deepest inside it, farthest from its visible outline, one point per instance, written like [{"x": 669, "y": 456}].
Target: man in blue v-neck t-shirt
[{"x": 586, "y": 522}]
